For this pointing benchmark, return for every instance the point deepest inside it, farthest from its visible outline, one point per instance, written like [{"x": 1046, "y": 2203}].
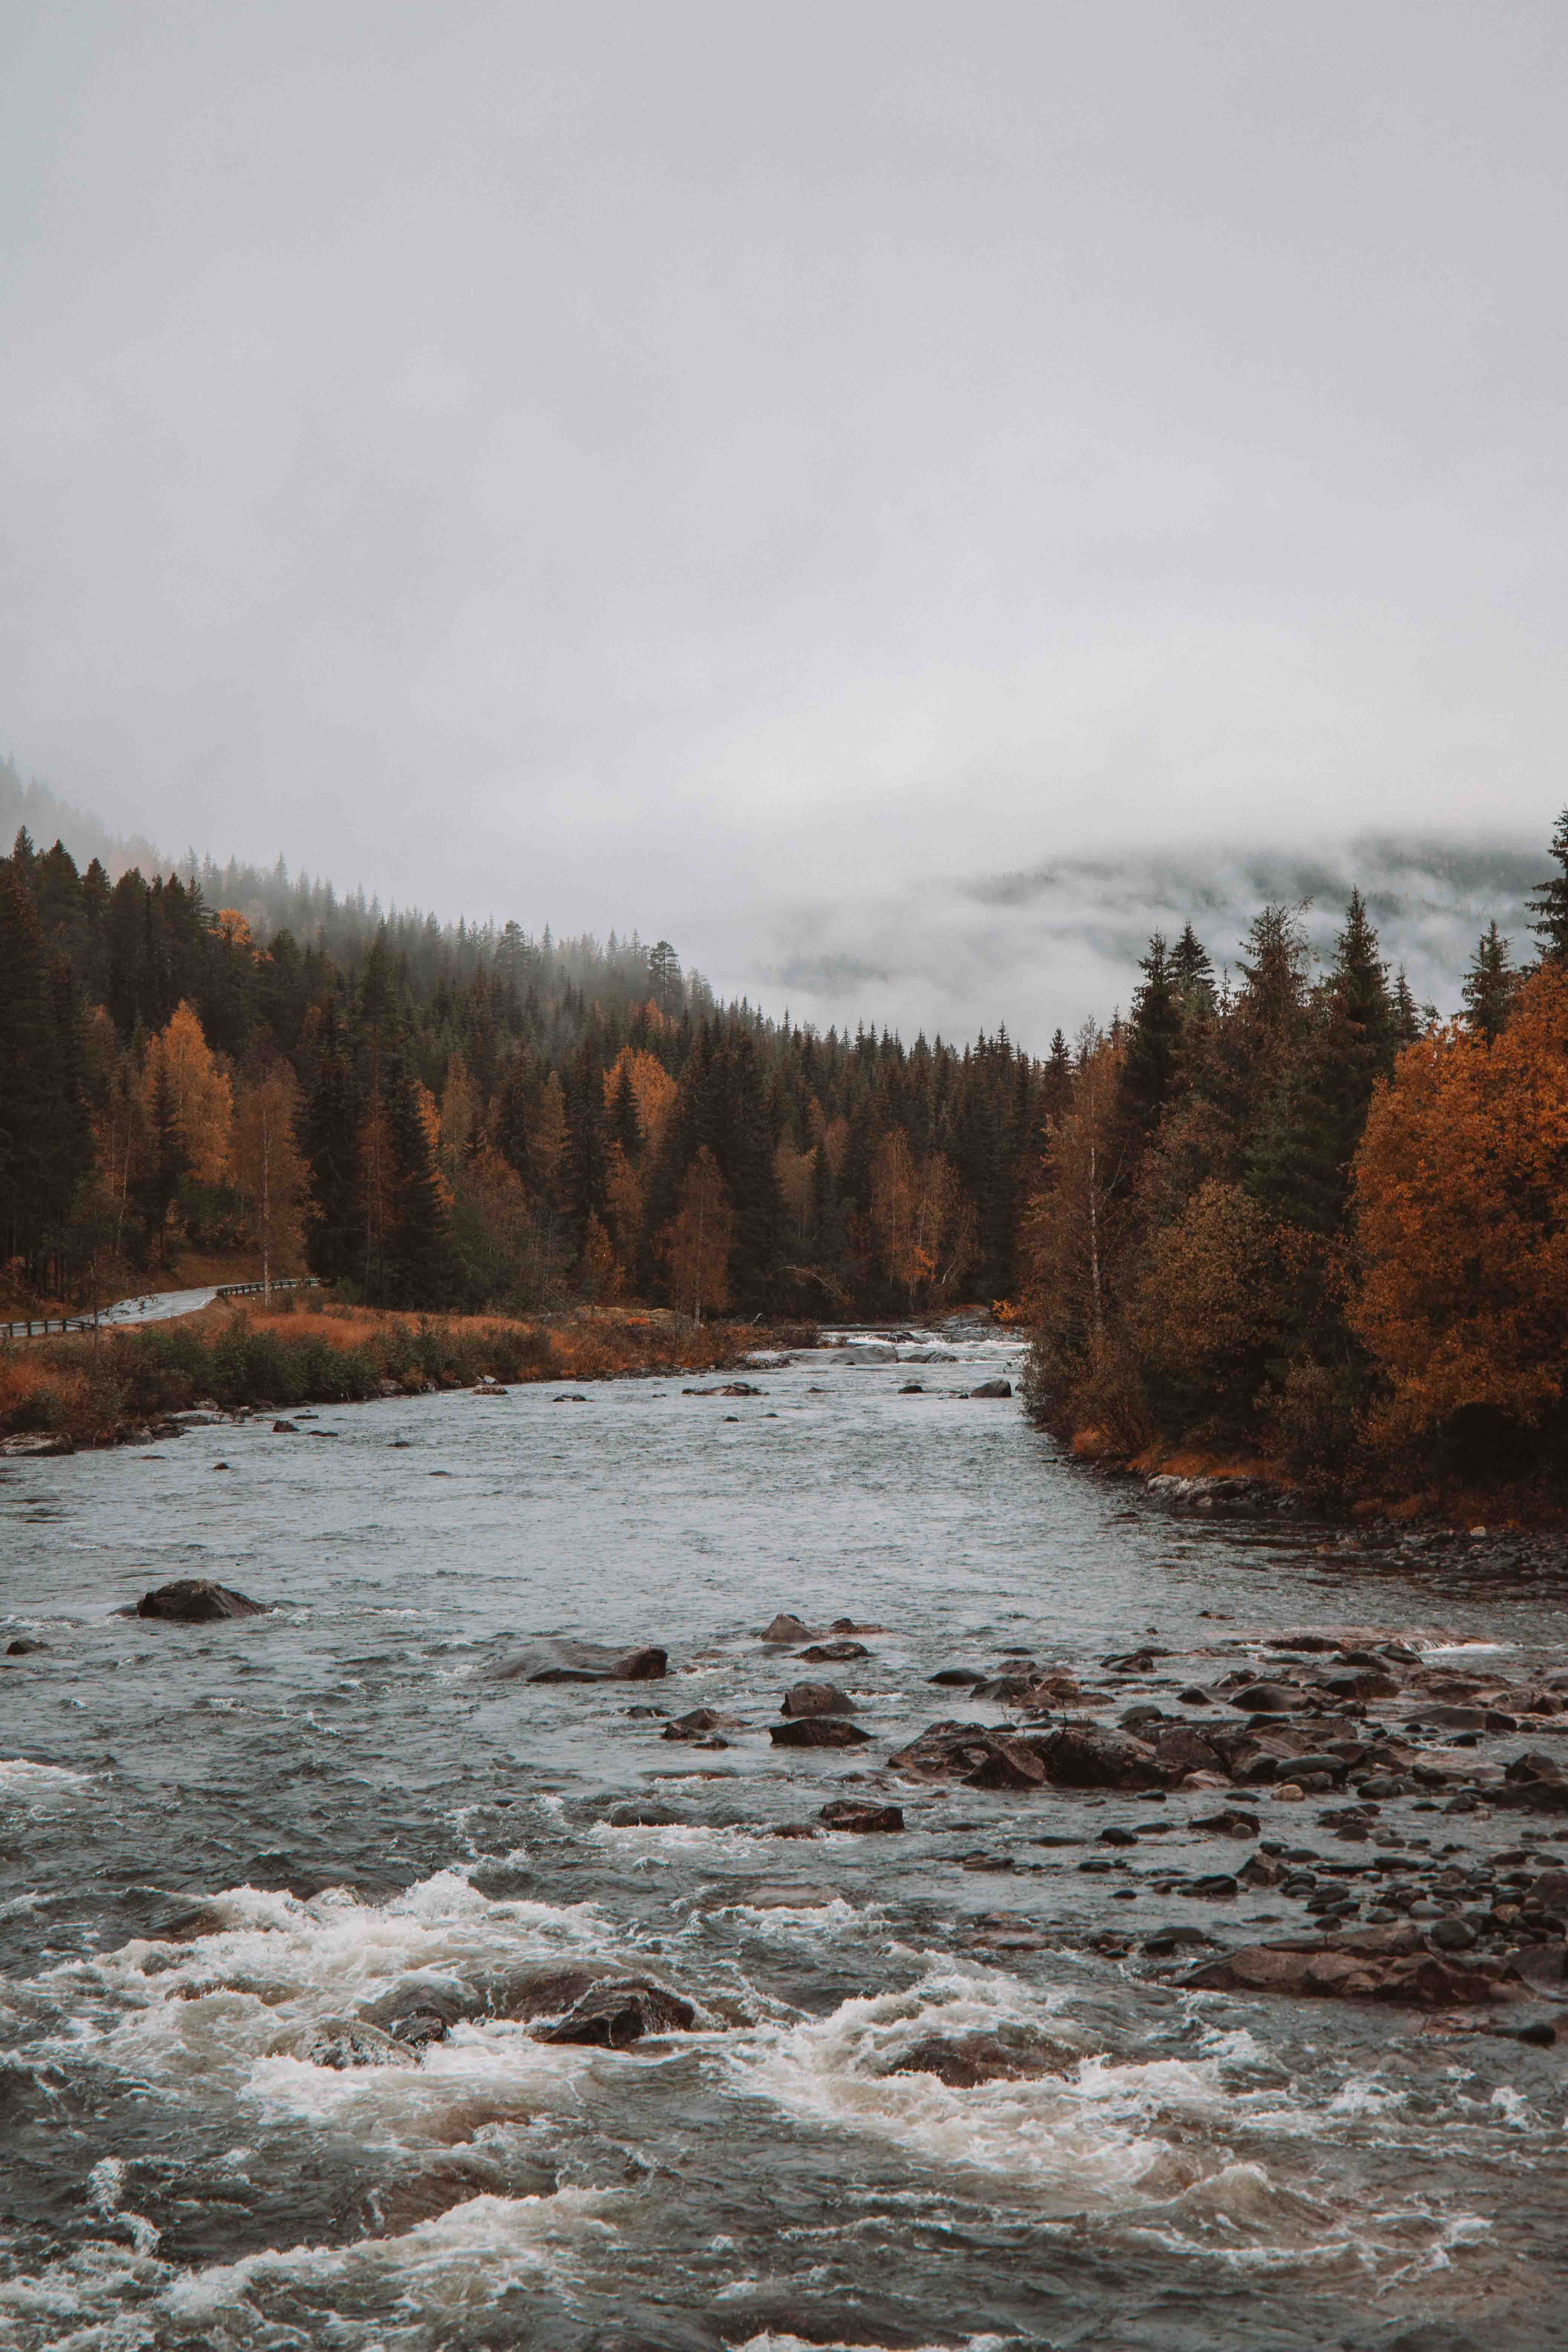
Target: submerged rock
[
  {"x": 620, "y": 2011},
  {"x": 356, "y": 2044},
  {"x": 23, "y": 1646},
  {"x": 834, "y": 1654},
  {"x": 993, "y": 1388},
  {"x": 700, "y": 1723},
  {"x": 963, "y": 2061},
  {"x": 38, "y": 1445},
  {"x": 195, "y": 1600},
  {"x": 580, "y": 1662}
]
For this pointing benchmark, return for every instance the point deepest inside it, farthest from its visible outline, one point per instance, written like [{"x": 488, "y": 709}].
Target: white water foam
[
  {"x": 448, "y": 2268},
  {"x": 30, "y": 1782}
]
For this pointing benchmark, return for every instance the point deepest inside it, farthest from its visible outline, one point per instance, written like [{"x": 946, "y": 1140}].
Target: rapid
[{"x": 226, "y": 1849}]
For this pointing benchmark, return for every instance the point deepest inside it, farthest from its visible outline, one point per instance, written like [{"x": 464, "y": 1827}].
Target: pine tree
[
  {"x": 328, "y": 1138},
  {"x": 419, "y": 1259},
  {"x": 1191, "y": 972},
  {"x": 1153, "y": 1056},
  {"x": 1550, "y": 903},
  {"x": 1490, "y": 987}
]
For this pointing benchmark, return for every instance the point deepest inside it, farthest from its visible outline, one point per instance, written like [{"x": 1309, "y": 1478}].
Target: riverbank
[{"x": 123, "y": 1388}]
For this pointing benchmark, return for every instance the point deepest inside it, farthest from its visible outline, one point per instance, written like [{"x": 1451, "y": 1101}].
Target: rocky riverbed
[{"x": 804, "y": 1865}]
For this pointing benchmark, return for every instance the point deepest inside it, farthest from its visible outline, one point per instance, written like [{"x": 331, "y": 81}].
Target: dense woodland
[
  {"x": 434, "y": 1117},
  {"x": 1301, "y": 1215},
  {"x": 1289, "y": 1211}
]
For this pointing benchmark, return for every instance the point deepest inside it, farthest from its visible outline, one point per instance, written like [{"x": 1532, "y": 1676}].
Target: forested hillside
[
  {"x": 432, "y": 1116},
  {"x": 1302, "y": 1217}
]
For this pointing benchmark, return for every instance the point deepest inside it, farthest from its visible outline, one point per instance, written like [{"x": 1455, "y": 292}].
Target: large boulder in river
[
  {"x": 817, "y": 1732},
  {"x": 580, "y": 1662},
  {"x": 817, "y": 1698},
  {"x": 196, "y": 1601},
  {"x": 993, "y": 1388},
  {"x": 1084, "y": 1756},
  {"x": 971, "y": 1753},
  {"x": 1389, "y": 1963}
]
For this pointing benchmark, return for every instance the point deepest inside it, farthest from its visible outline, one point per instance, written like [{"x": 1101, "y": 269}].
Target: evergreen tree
[
  {"x": 1403, "y": 1013},
  {"x": 159, "y": 1186},
  {"x": 419, "y": 1259},
  {"x": 1192, "y": 974},
  {"x": 1550, "y": 902},
  {"x": 1153, "y": 1056},
  {"x": 1490, "y": 986},
  {"x": 329, "y": 1141}
]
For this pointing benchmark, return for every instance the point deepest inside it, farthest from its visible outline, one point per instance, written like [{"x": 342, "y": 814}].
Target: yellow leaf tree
[
  {"x": 199, "y": 1090},
  {"x": 696, "y": 1245},
  {"x": 268, "y": 1169}
]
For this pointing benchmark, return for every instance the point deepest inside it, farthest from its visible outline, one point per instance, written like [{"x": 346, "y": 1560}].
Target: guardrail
[{"x": 41, "y": 1327}]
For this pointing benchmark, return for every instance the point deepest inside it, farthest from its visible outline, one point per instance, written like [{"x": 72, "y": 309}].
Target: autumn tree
[
  {"x": 924, "y": 1228},
  {"x": 1461, "y": 1196},
  {"x": 269, "y": 1169},
  {"x": 1211, "y": 1303},
  {"x": 698, "y": 1243},
  {"x": 199, "y": 1092}
]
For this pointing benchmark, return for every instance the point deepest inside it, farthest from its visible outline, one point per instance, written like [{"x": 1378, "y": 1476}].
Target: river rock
[
  {"x": 817, "y": 1732},
  {"x": 195, "y": 1600},
  {"x": 963, "y": 2061},
  {"x": 357, "y": 2044},
  {"x": 817, "y": 1698},
  {"x": 859, "y": 1815},
  {"x": 993, "y": 1388},
  {"x": 834, "y": 1654},
  {"x": 580, "y": 1662},
  {"x": 1083, "y": 1755},
  {"x": 968, "y": 1751},
  {"x": 699, "y": 1724},
  {"x": 619, "y": 2010},
  {"x": 285, "y": 1429},
  {"x": 23, "y": 1646},
  {"x": 1389, "y": 1963},
  {"x": 38, "y": 1444},
  {"x": 785, "y": 1628}
]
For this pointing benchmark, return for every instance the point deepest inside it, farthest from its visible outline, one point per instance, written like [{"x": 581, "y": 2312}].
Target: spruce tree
[
  {"x": 328, "y": 1136},
  {"x": 1550, "y": 902},
  {"x": 1490, "y": 986},
  {"x": 1191, "y": 972},
  {"x": 1150, "y": 1066},
  {"x": 419, "y": 1268}
]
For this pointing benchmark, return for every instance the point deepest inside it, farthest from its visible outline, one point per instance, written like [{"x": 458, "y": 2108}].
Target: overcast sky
[{"x": 765, "y": 475}]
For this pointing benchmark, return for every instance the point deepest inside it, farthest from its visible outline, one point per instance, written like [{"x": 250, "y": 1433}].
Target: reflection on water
[{"x": 227, "y": 1850}]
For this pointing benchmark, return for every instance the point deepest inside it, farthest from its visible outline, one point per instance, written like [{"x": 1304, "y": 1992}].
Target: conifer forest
[{"x": 1280, "y": 1207}]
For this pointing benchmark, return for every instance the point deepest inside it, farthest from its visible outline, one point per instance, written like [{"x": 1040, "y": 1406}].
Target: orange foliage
[
  {"x": 653, "y": 1091},
  {"x": 1461, "y": 1193},
  {"x": 199, "y": 1088}
]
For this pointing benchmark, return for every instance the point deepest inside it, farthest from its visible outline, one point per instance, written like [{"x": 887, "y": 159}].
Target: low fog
[{"x": 897, "y": 503}]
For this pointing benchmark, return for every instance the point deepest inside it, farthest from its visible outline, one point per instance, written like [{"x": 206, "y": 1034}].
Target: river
[{"x": 223, "y": 1844}]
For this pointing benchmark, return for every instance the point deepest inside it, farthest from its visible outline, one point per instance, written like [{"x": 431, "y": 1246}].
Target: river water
[{"x": 222, "y": 1842}]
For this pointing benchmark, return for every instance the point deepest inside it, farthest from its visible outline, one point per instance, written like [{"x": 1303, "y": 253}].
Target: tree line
[
  {"x": 1295, "y": 1214},
  {"x": 463, "y": 1116}
]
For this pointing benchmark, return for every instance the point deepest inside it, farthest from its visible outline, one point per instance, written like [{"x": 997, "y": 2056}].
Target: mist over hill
[{"x": 1045, "y": 943}]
